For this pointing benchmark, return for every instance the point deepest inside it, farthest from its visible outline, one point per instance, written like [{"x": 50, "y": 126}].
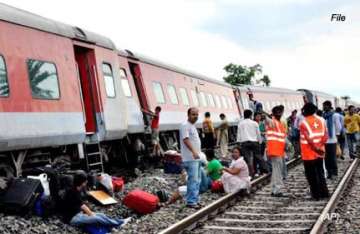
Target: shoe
[
  {"x": 126, "y": 221},
  {"x": 277, "y": 195},
  {"x": 193, "y": 206},
  {"x": 342, "y": 157},
  {"x": 256, "y": 175}
]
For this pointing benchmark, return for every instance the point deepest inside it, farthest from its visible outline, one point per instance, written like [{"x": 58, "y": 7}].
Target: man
[
  {"x": 78, "y": 214},
  {"x": 284, "y": 123},
  {"x": 155, "y": 119},
  {"x": 190, "y": 149},
  {"x": 248, "y": 134},
  {"x": 352, "y": 125},
  {"x": 341, "y": 137},
  {"x": 276, "y": 135},
  {"x": 254, "y": 105},
  {"x": 208, "y": 132},
  {"x": 333, "y": 126},
  {"x": 223, "y": 136},
  {"x": 313, "y": 136}
]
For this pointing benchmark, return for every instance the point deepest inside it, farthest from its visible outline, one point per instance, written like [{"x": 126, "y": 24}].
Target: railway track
[{"x": 261, "y": 213}]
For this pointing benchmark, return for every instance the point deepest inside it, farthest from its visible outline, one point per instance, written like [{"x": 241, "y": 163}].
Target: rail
[{"x": 202, "y": 214}]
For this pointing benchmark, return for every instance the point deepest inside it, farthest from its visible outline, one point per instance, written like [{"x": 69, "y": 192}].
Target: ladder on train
[{"x": 93, "y": 157}]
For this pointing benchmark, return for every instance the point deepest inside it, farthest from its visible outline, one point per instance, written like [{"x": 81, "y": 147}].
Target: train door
[
  {"x": 85, "y": 59},
  {"x": 139, "y": 85}
]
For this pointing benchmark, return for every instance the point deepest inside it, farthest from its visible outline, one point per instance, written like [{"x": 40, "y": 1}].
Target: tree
[{"x": 244, "y": 75}]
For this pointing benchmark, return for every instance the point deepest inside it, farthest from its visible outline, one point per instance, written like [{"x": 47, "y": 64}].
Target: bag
[
  {"x": 118, "y": 183},
  {"x": 141, "y": 202},
  {"x": 21, "y": 195},
  {"x": 106, "y": 181},
  {"x": 217, "y": 186},
  {"x": 44, "y": 182},
  {"x": 338, "y": 151},
  {"x": 172, "y": 163}
]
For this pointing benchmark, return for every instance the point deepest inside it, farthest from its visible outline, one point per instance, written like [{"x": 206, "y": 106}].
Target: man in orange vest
[
  {"x": 313, "y": 136},
  {"x": 275, "y": 136}
]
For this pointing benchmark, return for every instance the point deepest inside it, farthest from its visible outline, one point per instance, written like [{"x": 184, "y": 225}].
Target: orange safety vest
[
  {"x": 315, "y": 126},
  {"x": 275, "y": 137}
]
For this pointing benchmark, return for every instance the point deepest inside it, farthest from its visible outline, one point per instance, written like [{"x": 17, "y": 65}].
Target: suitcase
[
  {"x": 21, "y": 196},
  {"x": 141, "y": 202},
  {"x": 118, "y": 183},
  {"x": 172, "y": 163}
]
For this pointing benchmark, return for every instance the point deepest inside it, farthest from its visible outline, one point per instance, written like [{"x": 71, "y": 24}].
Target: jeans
[
  {"x": 252, "y": 150},
  {"x": 330, "y": 159},
  {"x": 276, "y": 175},
  {"x": 193, "y": 170},
  {"x": 314, "y": 172},
  {"x": 351, "y": 140},
  {"x": 205, "y": 181},
  {"x": 82, "y": 219}
]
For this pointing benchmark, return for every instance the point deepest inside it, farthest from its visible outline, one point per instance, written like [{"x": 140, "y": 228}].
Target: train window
[
  {"x": 229, "y": 102},
  {"x": 172, "y": 94},
  {"x": 158, "y": 91},
  {"x": 211, "y": 100},
  {"x": 223, "y": 99},
  {"x": 202, "y": 99},
  {"x": 4, "y": 85},
  {"x": 43, "y": 79},
  {"x": 109, "y": 80},
  {"x": 125, "y": 83},
  {"x": 217, "y": 101},
  {"x": 194, "y": 98},
  {"x": 184, "y": 97}
]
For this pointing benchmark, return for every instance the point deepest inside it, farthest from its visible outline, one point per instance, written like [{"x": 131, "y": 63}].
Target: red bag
[
  {"x": 140, "y": 201},
  {"x": 217, "y": 186},
  {"x": 118, "y": 183}
]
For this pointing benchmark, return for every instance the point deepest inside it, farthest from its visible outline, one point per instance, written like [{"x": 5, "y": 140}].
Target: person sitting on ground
[
  {"x": 214, "y": 167},
  {"x": 78, "y": 214},
  {"x": 236, "y": 177}
]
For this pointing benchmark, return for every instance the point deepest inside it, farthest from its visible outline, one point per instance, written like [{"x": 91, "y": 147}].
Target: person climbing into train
[
  {"x": 236, "y": 177},
  {"x": 333, "y": 124},
  {"x": 155, "y": 130},
  {"x": 190, "y": 145},
  {"x": 313, "y": 137},
  {"x": 276, "y": 135},
  {"x": 208, "y": 132},
  {"x": 78, "y": 214},
  {"x": 254, "y": 105},
  {"x": 249, "y": 137},
  {"x": 223, "y": 136}
]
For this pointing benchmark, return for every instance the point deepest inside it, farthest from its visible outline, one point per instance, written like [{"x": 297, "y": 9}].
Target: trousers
[{"x": 314, "y": 172}]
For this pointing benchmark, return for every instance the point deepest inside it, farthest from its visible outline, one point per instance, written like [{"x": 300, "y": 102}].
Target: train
[{"x": 66, "y": 91}]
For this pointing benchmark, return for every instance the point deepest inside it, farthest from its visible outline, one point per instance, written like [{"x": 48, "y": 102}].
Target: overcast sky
[{"x": 294, "y": 40}]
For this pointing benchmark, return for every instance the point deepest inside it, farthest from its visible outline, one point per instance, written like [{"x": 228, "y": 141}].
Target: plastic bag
[{"x": 106, "y": 181}]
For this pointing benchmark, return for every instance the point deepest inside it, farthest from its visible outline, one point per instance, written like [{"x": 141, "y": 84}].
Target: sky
[{"x": 294, "y": 40}]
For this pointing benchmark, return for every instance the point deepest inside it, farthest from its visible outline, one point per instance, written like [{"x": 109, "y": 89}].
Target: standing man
[
  {"x": 208, "y": 132},
  {"x": 352, "y": 125},
  {"x": 313, "y": 136},
  {"x": 223, "y": 136},
  {"x": 249, "y": 136},
  {"x": 341, "y": 137},
  {"x": 190, "y": 149},
  {"x": 276, "y": 135},
  {"x": 333, "y": 125}
]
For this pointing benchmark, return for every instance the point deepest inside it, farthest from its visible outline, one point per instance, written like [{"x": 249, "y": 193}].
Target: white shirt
[
  {"x": 248, "y": 130},
  {"x": 188, "y": 130},
  {"x": 336, "y": 128}
]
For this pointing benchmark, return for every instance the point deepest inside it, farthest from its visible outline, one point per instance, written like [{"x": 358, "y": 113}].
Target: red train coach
[
  {"x": 149, "y": 83},
  {"x": 59, "y": 84}
]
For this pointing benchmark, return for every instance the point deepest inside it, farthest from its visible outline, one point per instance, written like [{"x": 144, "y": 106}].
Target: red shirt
[{"x": 155, "y": 121}]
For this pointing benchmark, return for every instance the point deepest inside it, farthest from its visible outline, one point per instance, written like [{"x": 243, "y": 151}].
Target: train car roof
[
  {"x": 27, "y": 19},
  {"x": 154, "y": 62},
  {"x": 318, "y": 92},
  {"x": 267, "y": 89}
]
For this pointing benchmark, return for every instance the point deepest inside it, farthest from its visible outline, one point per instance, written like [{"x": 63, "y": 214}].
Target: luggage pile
[{"x": 172, "y": 162}]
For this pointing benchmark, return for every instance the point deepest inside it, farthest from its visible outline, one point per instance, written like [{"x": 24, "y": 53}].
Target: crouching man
[{"x": 78, "y": 214}]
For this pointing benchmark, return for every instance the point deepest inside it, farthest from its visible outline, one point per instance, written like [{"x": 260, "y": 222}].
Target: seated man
[
  {"x": 78, "y": 214},
  {"x": 214, "y": 166}
]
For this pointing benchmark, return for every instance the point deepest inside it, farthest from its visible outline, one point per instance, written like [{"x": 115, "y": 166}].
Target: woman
[{"x": 236, "y": 177}]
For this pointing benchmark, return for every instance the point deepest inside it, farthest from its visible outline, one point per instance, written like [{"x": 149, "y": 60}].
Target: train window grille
[
  {"x": 4, "y": 85},
  {"x": 158, "y": 91},
  {"x": 194, "y": 98},
  {"x": 211, "y": 100},
  {"x": 202, "y": 98},
  {"x": 217, "y": 101},
  {"x": 109, "y": 80},
  {"x": 43, "y": 79},
  {"x": 125, "y": 83},
  {"x": 223, "y": 99},
  {"x": 184, "y": 97},
  {"x": 172, "y": 94},
  {"x": 229, "y": 102}
]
